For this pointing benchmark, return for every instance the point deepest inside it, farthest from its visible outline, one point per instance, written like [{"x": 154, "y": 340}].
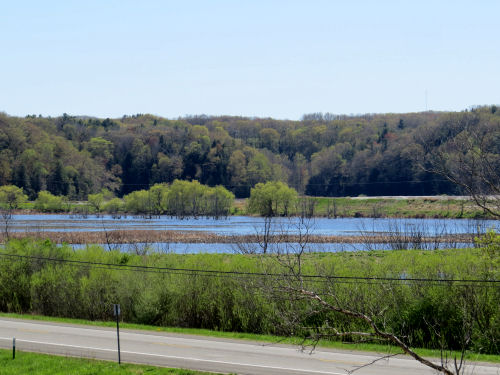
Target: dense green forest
[{"x": 321, "y": 155}]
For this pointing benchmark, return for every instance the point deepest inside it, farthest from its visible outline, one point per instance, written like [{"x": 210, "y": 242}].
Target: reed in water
[{"x": 156, "y": 236}]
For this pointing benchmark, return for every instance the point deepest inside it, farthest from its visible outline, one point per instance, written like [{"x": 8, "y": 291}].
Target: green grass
[
  {"x": 368, "y": 347},
  {"x": 437, "y": 207},
  {"x": 418, "y": 207},
  {"x": 44, "y": 364}
]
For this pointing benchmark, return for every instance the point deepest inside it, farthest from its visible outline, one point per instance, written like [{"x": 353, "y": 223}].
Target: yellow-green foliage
[
  {"x": 272, "y": 199},
  {"x": 47, "y": 202},
  {"x": 11, "y": 197},
  {"x": 113, "y": 206},
  {"x": 490, "y": 244},
  {"x": 244, "y": 303},
  {"x": 181, "y": 198},
  {"x": 138, "y": 201}
]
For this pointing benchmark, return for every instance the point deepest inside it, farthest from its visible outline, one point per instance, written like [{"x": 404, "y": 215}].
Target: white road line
[
  {"x": 176, "y": 357},
  {"x": 125, "y": 333}
]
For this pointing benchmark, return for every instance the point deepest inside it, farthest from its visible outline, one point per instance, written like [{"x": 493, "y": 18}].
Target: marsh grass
[{"x": 157, "y": 236}]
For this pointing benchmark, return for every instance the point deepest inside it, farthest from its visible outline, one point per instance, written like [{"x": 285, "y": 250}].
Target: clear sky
[{"x": 247, "y": 57}]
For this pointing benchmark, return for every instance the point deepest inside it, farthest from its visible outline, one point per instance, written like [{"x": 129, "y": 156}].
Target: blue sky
[{"x": 251, "y": 58}]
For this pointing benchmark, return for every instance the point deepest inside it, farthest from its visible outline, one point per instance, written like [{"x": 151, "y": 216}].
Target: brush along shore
[
  {"x": 430, "y": 298},
  {"x": 157, "y": 236},
  {"x": 440, "y": 206}
]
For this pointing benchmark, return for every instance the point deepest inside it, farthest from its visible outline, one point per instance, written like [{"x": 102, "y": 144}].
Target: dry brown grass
[{"x": 156, "y": 236}]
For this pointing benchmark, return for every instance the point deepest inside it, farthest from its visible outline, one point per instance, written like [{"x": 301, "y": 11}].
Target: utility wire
[
  {"x": 192, "y": 271},
  {"x": 343, "y": 183}
]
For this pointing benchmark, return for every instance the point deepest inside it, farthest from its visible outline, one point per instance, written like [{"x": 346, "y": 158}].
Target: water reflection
[
  {"x": 228, "y": 248},
  {"x": 242, "y": 225}
]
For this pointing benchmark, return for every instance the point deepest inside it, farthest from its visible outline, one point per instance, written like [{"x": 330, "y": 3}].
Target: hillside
[{"x": 321, "y": 155}]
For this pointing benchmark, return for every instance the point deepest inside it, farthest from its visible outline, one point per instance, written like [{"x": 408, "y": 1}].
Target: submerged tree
[{"x": 272, "y": 199}]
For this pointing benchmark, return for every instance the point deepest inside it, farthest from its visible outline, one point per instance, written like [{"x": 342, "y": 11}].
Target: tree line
[
  {"x": 321, "y": 155},
  {"x": 180, "y": 199}
]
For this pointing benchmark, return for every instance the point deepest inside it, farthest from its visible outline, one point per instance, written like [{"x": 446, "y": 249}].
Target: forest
[{"x": 320, "y": 155}]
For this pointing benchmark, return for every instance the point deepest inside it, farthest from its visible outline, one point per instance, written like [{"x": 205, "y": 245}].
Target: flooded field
[
  {"x": 228, "y": 248},
  {"x": 247, "y": 225},
  {"x": 244, "y": 234}
]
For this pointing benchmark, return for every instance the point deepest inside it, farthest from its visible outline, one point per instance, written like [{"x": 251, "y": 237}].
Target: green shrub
[
  {"x": 11, "y": 197},
  {"x": 114, "y": 206},
  {"x": 423, "y": 314},
  {"x": 47, "y": 202},
  {"x": 271, "y": 199},
  {"x": 138, "y": 202}
]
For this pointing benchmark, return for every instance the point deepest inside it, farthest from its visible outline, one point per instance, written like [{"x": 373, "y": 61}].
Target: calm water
[
  {"x": 250, "y": 225},
  {"x": 235, "y": 225},
  {"x": 224, "y": 248}
]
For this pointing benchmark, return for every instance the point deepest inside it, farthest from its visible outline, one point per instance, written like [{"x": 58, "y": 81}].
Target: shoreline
[
  {"x": 166, "y": 236},
  {"x": 408, "y": 207}
]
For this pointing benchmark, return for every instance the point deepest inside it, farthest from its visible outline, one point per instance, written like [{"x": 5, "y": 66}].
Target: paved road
[{"x": 200, "y": 353}]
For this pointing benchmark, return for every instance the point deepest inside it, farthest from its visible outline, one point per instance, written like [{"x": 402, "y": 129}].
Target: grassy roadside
[
  {"x": 44, "y": 364},
  {"x": 380, "y": 348}
]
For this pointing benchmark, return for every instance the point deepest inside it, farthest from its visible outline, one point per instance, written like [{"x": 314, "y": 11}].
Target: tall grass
[
  {"x": 398, "y": 233},
  {"x": 240, "y": 303}
]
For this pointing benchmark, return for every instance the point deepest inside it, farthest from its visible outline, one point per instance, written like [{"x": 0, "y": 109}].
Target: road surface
[{"x": 201, "y": 353}]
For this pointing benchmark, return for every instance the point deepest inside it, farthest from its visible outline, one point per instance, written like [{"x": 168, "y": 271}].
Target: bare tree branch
[
  {"x": 356, "y": 368},
  {"x": 467, "y": 155},
  {"x": 301, "y": 300}
]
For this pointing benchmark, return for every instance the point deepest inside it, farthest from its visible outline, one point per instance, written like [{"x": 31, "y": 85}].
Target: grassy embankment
[
  {"x": 414, "y": 207},
  {"x": 424, "y": 207},
  {"x": 43, "y": 364},
  {"x": 176, "y": 297}
]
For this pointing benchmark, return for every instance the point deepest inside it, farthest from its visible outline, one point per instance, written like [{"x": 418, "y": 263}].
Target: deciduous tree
[{"x": 271, "y": 199}]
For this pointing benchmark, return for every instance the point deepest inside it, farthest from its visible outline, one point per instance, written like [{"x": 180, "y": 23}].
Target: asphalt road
[{"x": 201, "y": 353}]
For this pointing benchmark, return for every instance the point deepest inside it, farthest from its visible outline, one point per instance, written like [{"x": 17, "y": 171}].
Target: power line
[
  {"x": 345, "y": 183},
  {"x": 218, "y": 273}
]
